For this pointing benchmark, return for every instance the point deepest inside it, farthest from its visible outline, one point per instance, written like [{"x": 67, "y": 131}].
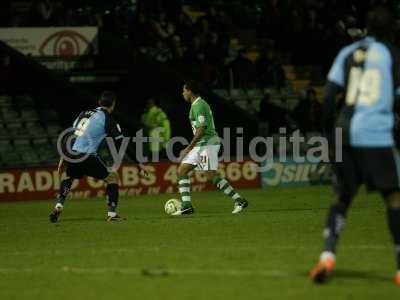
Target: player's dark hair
[
  {"x": 153, "y": 100},
  {"x": 107, "y": 99},
  {"x": 193, "y": 86},
  {"x": 381, "y": 22}
]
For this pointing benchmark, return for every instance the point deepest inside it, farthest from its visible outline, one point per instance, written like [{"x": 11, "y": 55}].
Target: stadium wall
[{"x": 43, "y": 183}]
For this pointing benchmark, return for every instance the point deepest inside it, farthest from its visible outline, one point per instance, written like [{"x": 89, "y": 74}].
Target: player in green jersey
[{"x": 202, "y": 152}]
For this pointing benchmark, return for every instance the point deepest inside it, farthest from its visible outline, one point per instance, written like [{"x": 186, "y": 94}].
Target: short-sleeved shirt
[
  {"x": 91, "y": 127},
  {"x": 201, "y": 116},
  {"x": 369, "y": 72}
]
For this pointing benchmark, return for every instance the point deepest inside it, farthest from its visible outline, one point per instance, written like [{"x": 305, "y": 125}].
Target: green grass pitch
[{"x": 265, "y": 253}]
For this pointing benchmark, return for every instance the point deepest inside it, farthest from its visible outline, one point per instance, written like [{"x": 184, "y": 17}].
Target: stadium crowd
[
  {"x": 166, "y": 32},
  {"x": 216, "y": 39}
]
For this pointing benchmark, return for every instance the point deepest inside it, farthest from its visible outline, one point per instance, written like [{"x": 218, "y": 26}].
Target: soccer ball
[{"x": 172, "y": 205}]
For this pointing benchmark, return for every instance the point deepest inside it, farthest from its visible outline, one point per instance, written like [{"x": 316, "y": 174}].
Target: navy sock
[
  {"x": 393, "y": 215},
  {"x": 112, "y": 196},
  {"x": 65, "y": 187},
  {"x": 334, "y": 225}
]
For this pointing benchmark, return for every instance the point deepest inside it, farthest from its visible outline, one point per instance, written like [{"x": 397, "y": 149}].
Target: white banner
[{"x": 52, "y": 41}]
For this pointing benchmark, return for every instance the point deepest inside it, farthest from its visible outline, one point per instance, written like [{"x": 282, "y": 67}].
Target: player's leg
[
  {"x": 209, "y": 163},
  {"x": 73, "y": 171},
  {"x": 189, "y": 163},
  {"x": 224, "y": 186},
  {"x": 335, "y": 221},
  {"x": 334, "y": 225},
  {"x": 96, "y": 168},
  {"x": 392, "y": 200},
  {"x": 65, "y": 187},
  {"x": 112, "y": 191},
  {"x": 384, "y": 175},
  {"x": 346, "y": 182},
  {"x": 184, "y": 186}
]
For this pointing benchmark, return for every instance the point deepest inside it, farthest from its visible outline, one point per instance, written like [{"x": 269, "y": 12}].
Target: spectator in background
[
  {"x": 316, "y": 113},
  {"x": 172, "y": 9},
  {"x": 270, "y": 21},
  {"x": 149, "y": 6},
  {"x": 45, "y": 12},
  {"x": 270, "y": 72},
  {"x": 160, "y": 52},
  {"x": 272, "y": 114},
  {"x": 278, "y": 73},
  {"x": 202, "y": 30},
  {"x": 162, "y": 27},
  {"x": 69, "y": 18},
  {"x": 243, "y": 69},
  {"x": 195, "y": 57},
  {"x": 178, "y": 50},
  {"x": 307, "y": 112},
  {"x": 212, "y": 19},
  {"x": 141, "y": 33},
  {"x": 263, "y": 69},
  {"x": 195, "y": 52},
  {"x": 111, "y": 22},
  {"x": 157, "y": 126},
  {"x": 184, "y": 27},
  {"x": 215, "y": 53},
  {"x": 225, "y": 25}
]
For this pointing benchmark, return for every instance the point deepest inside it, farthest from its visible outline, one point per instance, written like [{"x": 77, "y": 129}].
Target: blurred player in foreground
[
  {"x": 367, "y": 72},
  {"x": 89, "y": 130}
]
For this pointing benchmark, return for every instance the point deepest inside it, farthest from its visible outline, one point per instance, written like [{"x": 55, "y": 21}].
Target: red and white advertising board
[
  {"x": 40, "y": 184},
  {"x": 51, "y": 41}
]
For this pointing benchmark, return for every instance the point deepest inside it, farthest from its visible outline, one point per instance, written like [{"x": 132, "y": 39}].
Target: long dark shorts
[
  {"x": 92, "y": 166},
  {"x": 377, "y": 168}
]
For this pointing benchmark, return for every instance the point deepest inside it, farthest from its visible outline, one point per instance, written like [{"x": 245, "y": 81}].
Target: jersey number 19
[{"x": 363, "y": 87}]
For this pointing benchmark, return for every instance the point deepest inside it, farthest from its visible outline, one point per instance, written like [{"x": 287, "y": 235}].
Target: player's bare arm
[
  {"x": 197, "y": 136},
  {"x": 60, "y": 167}
]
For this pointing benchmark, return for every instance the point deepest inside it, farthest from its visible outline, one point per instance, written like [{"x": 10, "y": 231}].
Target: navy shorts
[
  {"x": 377, "y": 168},
  {"x": 92, "y": 166}
]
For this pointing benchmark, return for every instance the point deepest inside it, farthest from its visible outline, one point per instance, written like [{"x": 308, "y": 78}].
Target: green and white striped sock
[
  {"x": 224, "y": 186},
  {"x": 184, "y": 190}
]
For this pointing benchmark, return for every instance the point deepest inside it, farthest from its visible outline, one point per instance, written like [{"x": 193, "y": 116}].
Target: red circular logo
[{"x": 65, "y": 43}]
